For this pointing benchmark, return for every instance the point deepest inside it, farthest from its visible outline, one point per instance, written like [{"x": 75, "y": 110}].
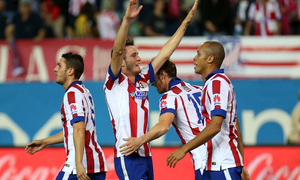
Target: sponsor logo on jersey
[
  {"x": 73, "y": 108},
  {"x": 141, "y": 94},
  {"x": 217, "y": 98},
  {"x": 143, "y": 85},
  {"x": 163, "y": 104},
  {"x": 131, "y": 93}
]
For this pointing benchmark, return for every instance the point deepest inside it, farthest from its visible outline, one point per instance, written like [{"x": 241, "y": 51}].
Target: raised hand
[
  {"x": 132, "y": 10},
  {"x": 191, "y": 14}
]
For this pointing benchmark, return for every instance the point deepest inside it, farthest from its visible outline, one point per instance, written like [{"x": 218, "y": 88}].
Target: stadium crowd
[{"x": 101, "y": 18}]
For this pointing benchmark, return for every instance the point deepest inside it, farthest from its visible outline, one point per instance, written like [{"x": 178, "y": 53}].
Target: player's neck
[{"x": 68, "y": 83}]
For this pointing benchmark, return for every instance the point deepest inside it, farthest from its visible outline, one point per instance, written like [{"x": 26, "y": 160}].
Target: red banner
[
  {"x": 263, "y": 163},
  {"x": 39, "y": 59}
]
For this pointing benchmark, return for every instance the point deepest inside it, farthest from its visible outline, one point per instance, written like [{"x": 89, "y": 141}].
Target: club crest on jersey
[
  {"x": 143, "y": 85},
  {"x": 163, "y": 104},
  {"x": 141, "y": 94}
]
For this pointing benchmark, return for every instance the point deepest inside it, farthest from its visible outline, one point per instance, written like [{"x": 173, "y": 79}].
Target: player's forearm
[
  {"x": 212, "y": 129},
  {"x": 157, "y": 131},
  {"x": 119, "y": 46},
  {"x": 170, "y": 46},
  {"x": 240, "y": 139},
  {"x": 55, "y": 139},
  {"x": 79, "y": 141}
]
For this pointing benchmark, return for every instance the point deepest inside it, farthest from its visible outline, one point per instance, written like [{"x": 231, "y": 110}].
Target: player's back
[{"x": 185, "y": 99}]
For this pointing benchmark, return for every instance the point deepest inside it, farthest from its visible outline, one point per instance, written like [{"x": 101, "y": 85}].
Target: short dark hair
[
  {"x": 169, "y": 67},
  {"x": 74, "y": 61},
  {"x": 129, "y": 42}
]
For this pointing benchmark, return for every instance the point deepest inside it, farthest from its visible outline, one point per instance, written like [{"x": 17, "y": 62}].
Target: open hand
[
  {"x": 175, "y": 156},
  {"x": 132, "y": 10},
  {"x": 35, "y": 146},
  {"x": 132, "y": 145}
]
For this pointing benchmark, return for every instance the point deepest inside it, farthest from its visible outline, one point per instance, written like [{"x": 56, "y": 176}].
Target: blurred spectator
[
  {"x": 265, "y": 16},
  {"x": 173, "y": 16},
  {"x": 11, "y": 8},
  {"x": 240, "y": 20},
  {"x": 148, "y": 7},
  {"x": 156, "y": 23},
  {"x": 295, "y": 21},
  {"x": 85, "y": 24},
  {"x": 108, "y": 21},
  {"x": 75, "y": 7},
  {"x": 50, "y": 13},
  {"x": 2, "y": 19},
  {"x": 215, "y": 16},
  {"x": 25, "y": 25},
  {"x": 294, "y": 137},
  {"x": 288, "y": 9}
]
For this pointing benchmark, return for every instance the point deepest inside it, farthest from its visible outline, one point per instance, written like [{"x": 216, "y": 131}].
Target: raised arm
[
  {"x": 119, "y": 44},
  {"x": 170, "y": 46},
  {"x": 161, "y": 128}
]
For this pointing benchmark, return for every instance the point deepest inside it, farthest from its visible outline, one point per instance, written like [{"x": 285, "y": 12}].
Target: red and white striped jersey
[
  {"x": 265, "y": 17},
  {"x": 183, "y": 100},
  {"x": 128, "y": 106},
  {"x": 78, "y": 105},
  {"x": 219, "y": 100}
]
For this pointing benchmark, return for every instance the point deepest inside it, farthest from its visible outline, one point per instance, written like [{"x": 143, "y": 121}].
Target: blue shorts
[
  {"x": 199, "y": 174},
  {"x": 134, "y": 167},
  {"x": 95, "y": 176},
  {"x": 230, "y": 173}
]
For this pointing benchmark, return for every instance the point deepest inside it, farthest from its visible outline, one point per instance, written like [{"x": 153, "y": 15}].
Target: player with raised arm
[
  {"x": 180, "y": 106},
  {"x": 85, "y": 158},
  {"x": 126, "y": 90}
]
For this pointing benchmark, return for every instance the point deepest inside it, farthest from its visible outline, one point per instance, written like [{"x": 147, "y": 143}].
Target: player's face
[
  {"x": 159, "y": 84},
  {"x": 133, "y": 60},
  {"x": 61, "y": 71},
  {"x": 200, "y": 59}
]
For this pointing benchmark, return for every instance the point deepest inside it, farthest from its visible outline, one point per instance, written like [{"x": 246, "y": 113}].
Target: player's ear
[
  {"x": 71, "y": 71},
  {"x": 210, "y": 59}
]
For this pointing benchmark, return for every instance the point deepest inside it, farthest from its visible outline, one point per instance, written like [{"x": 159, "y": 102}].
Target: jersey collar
[
  {"x": 213, "y": 73},
  {"x": 174, "y": 81},
  {"x": 74, "y": 82}
]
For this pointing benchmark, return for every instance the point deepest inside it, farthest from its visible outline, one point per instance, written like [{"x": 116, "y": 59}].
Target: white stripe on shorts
[
  {"x": 124, "y": 168},
  {"x": 66, "y": 176},
  {"x": 227, "y": 175}
]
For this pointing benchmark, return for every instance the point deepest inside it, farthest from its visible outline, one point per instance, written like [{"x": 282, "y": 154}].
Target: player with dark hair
[
  {"x": 222, "y": 132},
  {"x": 180, "y": 106},
  {"x": 126, "y": 91},
  {"x": 85, "y": 158}
]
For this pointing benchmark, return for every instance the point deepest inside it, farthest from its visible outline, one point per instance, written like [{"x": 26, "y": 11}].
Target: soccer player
[
  {"x": 85, "y": 158},
  {"x": 224, "y": 146},
  {"x": 126, "y": 91},
  {"x": 180, "y": 106}
]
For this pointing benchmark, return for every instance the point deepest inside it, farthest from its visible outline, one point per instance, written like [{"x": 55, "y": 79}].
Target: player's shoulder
[{"x": 220, "y": 77}]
